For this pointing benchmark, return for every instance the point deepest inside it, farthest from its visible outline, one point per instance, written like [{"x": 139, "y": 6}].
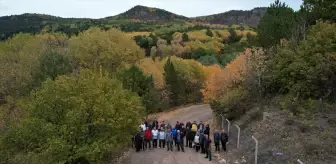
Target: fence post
[
  {"x": 256, "y": 151},
  {"x": 229, "y": 124},
  {"x": 300, "y": 162},
  {"x": 222, "y": 121},
  {"x": 238, "y": 135}
]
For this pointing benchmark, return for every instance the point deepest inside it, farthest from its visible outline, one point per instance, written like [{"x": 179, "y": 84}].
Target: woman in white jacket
[
  {"x": 155, "y": 135},
  {"x": 162, "y": 135},
  {"x": 197, "y": 142}
]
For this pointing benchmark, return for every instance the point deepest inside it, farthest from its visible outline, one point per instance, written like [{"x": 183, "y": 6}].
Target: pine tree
[
  {"x": 209, "y": 33},
  {"x": 277, "y": 24},
  {"x": 136, "y": 81},
  {"x": 175, "y": 83},
  {"x": 185, "y": 37}
]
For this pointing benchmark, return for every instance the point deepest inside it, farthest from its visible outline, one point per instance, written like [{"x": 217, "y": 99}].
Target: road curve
[{"x": 161, "y": 156}]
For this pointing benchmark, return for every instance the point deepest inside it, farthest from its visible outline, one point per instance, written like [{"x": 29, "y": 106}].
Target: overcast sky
[{"x": 104, "y": 8}]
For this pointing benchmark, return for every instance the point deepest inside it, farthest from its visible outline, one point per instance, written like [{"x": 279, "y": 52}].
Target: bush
[
  {"x": 233, "y": 104},
  {"x": 308, "y": 69},
  {"x": 208, "y": 60}
]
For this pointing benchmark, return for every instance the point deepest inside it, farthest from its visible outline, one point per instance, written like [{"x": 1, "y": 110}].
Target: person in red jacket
[{"x": 148, "y": 138}]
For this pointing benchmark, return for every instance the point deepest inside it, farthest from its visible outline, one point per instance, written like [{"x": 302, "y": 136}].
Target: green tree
[
  {"x": 208, "y": 60},
  {"x": 175, "y": 84},
  {"x": 73, "y": 119},
  {"x": 319, "y": 9},
  {"x": 277, "y": 24},
  {"x": 53, "y": 64},
  {"x": 233, "y": 38},
  {"x": 251, "y": 39},
  {"x": 307, "y": 70},
  {"x": 185, "y": 37},
  {"x": 209, "y": 33},
  {"x": 136, "y": 81}
]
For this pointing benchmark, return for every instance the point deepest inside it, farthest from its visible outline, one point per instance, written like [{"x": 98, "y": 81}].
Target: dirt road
[{"x": 161, "y": 156}]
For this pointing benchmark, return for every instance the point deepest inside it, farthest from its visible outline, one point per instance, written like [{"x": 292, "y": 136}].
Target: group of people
[{"x": 196, "y": 136}]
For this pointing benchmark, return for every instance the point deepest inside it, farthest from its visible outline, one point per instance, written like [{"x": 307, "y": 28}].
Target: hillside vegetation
[
  {"x": 138, "y": 18},
  {"x": 288, "y": 79}
]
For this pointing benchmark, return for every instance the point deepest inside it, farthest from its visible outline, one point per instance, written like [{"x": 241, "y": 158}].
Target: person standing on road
[
  {"x": 143, "y": 126},
  {"x": 217, "y": 139},
  {"x": 200, "y": 126},
  {"x": 197, "y": 142},
  {"x": 148, "y": 137},
  {"x": 188, "y": 125},
  {"x": 179, "y": 141},
  {"x": 142, "y": 135},
  {"x": 174, "y": 136},
  {"x": 224, "y": 139},
  {"x": 162, "y": 136},
  {"x": 155, "y": 134},
  {"x": 138, "y": 141},
  {"x": 162, "y": 125},
  {"x": 194, "y": 129},
  {"x": 168, "y": 126},
  {"x": 178, "y": 126},
  {"x": 207, "y": 130},
  {"x": 189, "y": 137},
  {"x": 155, "y": 124},
  {"x": 146, "y": 123},
  {"x": 207, "y": 145},
  {"x": 202, "y": 140},
  {"x": 169, "y": 140},
  {"x": 183, "y": 133}
]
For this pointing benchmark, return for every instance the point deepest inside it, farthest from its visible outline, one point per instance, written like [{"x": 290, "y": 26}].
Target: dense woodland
[{"x": 67, "y": 97}]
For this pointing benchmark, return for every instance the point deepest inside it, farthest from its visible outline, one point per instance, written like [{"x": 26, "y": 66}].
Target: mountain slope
[
  {"x": 149, "y": 14},
  {"x": 248, "y": 17}
]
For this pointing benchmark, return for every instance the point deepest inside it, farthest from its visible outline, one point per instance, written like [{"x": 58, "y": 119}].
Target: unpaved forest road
[{"x": 162, "y": 156}]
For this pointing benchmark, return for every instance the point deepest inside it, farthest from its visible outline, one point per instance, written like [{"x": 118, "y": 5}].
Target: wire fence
[{"x": 240, "y": 141}]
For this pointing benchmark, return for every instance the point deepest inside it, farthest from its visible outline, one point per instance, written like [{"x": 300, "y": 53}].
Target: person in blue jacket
[
  {"x": 179, "y": 141},
  {"x": 169, "y": 139}
]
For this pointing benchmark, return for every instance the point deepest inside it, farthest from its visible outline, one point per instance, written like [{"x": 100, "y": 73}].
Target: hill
[
  {"x": 138, "y": 18},
  {"x": 149, "y": 14},
  {"x": 248, "y": 17}
]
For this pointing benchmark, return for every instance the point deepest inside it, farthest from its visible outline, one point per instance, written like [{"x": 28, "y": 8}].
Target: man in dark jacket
[
  {"x": 224, "y": 139},
  {"x": 207, "y": 130},
  {"x": 163, "y": 125},
  {"x": 217, "y": 139},
  {"x": 138, "y": 141},
  {"x": 189, "y": 137},
  {"x": 178, "y": 126},
  {"x": 207, "y": 146},
  {"x": 179, "y": 141},
  {"x": 183, "y": 131},
  {"x": 142, "y": 141},
  {"x": 202, "y": 141},
  {"x": 188, "y": 125},
  {"x": 146, "y": 123},
  {"x": 155, "y": 124},
  {"x": 200, "y": 126}
]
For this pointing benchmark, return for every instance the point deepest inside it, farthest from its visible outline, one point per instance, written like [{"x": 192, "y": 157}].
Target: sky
[{"x": 104, "y": 8}]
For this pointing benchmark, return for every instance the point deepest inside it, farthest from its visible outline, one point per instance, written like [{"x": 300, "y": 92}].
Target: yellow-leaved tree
[{"x": 110, "y": 49}]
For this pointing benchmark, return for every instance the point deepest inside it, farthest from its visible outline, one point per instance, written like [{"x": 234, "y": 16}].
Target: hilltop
[
  {"x": 248, "y": 17},
  {"x": 137, "y": 18},
  {"x": 145, "y": 13}
]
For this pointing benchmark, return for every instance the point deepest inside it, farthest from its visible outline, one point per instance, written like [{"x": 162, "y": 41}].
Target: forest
[{"x": 67, "y": 97}]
